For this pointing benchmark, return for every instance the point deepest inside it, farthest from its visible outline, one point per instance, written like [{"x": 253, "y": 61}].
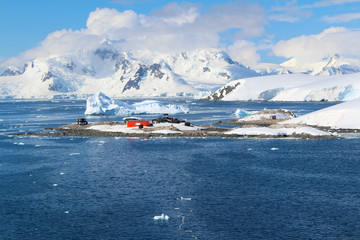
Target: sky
[{"x": 251, "y": 32}]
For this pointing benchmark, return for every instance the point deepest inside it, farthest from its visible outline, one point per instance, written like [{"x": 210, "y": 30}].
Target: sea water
[{"x": 210, "y": 188}]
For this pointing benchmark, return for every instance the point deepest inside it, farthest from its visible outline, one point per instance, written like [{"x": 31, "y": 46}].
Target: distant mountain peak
[{"x": 336, "y": 65}]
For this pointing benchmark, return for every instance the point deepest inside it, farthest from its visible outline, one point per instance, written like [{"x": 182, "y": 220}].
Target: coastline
[{"x": 74, "y": 130}]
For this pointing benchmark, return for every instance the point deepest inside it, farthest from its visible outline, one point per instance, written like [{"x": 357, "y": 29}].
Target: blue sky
[{"x": 251, "y": 31}]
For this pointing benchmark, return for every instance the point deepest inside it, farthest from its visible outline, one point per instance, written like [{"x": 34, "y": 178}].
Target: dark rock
[{"x": 135, "y": 81}]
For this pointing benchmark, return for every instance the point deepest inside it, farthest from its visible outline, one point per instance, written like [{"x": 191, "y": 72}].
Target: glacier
[
  {"x": 293, "y": 87},
  {"x": 100, "y": 104}
]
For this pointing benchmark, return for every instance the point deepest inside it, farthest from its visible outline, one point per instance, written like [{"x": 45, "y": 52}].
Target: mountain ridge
[{"x": 120, "y": 74}]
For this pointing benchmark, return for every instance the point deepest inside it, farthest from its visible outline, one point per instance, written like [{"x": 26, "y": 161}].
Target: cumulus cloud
[
  {"x": 57, "y": 42},
  {"x": 173, "y": 28},
  {"x": 244, "y": 52},
  {"x": 313, "y": 48},
  {"x": 106, "y": 21}
]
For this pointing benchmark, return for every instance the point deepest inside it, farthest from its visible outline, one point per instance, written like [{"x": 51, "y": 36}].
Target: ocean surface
[{"x": 210, "y": 188}]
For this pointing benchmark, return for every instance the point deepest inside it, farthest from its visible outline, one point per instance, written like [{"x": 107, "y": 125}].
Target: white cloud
[
  {"x": 293, "y": 11},
  {"x": 342, "y": 18},
  {"x": 290, "y": 12},
  {"x": 56, "y": 43},
  {"x": 327, "y": 3},
  {"x": 283, "y": 18},
  {"x": 172, "y": 28},
  {"x": 244, "y": 52},
  {"x": 313, "y": 48},
  {"x": 106, "y": 21},
  {"x": 173, "y": 13}
]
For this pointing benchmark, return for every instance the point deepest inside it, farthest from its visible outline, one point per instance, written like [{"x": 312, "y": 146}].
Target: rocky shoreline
[{"x": 75, "y": 130}]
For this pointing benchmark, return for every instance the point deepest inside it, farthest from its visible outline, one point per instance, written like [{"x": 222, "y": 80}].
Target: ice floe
[
  {"x": 162, "y": 217},
  {"x": 240, "y": 113},
  {"x": 100, "y": 104}
]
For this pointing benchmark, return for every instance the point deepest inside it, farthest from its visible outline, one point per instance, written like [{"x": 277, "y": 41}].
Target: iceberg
[
  {"x": 100, "y": 104},
  {"x": 162, "y": 217},
  {"x": 240, "y": 113}
]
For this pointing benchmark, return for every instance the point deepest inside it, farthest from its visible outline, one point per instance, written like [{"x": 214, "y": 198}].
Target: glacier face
[{"x": 122, "y": 74}]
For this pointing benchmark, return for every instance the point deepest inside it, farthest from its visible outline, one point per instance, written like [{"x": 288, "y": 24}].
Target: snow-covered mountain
[
  {"x": 122, "y": 74},
  {"x": 206, "y": 68},
  {"x": 335, "y": 65},
  {"x": 294, "y": 87}
]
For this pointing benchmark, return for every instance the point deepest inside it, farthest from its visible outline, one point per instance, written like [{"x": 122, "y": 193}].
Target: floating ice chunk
[
  {"x": 55, "y": 185},
  {"x": 243, "y": 113},
  {"x": 62, "y": 173},
  {"x": 100, "y": 104},
  {"x": 162, "y": 217},
  {"x": 67, "y": 212},
  {"x": 185, "y": 199}
]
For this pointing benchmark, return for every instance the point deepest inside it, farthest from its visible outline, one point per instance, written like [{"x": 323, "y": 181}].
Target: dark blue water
[{"x": 111, "y": 188}]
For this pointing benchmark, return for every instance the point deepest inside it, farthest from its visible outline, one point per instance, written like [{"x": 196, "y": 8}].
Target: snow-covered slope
[
  {"x": 344, "y": 115},
  {"x": 294, "y": 87},
  {"x": 206, "y": 68},
  {"x": 121, "y": 74},
  {"x": 335, "y": 65}
]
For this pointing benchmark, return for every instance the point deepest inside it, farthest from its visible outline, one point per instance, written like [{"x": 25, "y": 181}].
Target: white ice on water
[
  {"x": 162, "y": 217},
  {"x": 240, "y": 113},
  {"x": 100, "y": 104}
]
